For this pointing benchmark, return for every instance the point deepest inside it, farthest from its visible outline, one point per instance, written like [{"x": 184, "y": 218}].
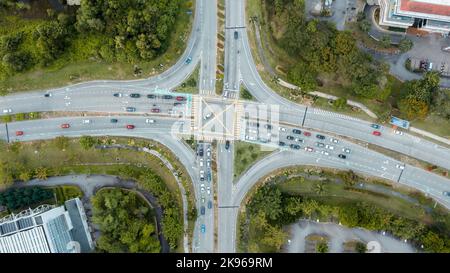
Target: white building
[
  {"x": 47, "y": 229},
  {"x": 428, "y": 15}
]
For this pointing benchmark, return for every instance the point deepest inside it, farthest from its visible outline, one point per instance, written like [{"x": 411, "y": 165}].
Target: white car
[
  {"x": 208, "y": 152},
  {"x": 202, "y": 190},
  {"x": 202, "y": 185},
  {"x": 202, "y": 172},
  {"x": 149, "y": 121},
  {"x": 400, "y": 133},
  {"x": 203, "y": 199},
  {"x": 201, "y": 162},
  {"x": 207, "y": 116},
  {"x": 86, "y": 121},
  {"x": 334, "y": 140},
  {"x": 346, "y": 150},
  {"x": 5, "y": 111},
  {"x": 401, "y": 167},
  {"x": 282, "y": 129},
  {"x": 329, "y": 147},
  {"x": 325, "y": 153},
  {"x": 208, "y": 163},
  {"x": 208, "y": 190}
]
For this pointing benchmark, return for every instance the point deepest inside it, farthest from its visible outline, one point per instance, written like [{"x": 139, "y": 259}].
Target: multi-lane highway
[{"x": 113, "y": 98}]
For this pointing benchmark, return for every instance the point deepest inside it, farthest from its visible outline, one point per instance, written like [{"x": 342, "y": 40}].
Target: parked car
[
  {"x": 320, "y": 145},
  {"x": 346, "y": 150},
  {"x": 281, "y": 143},
  {"x": 268, "y": 126},
  {"x": 309, "y": 149},
  {"x": 282, "y": 129},
  {"x": 296, "y": 131},
  {"x": 397, "y": 132},
  {"x": 180, "y": 98},
  {"x": 401, "y": 167},
  {"x": 320, "y": 136},
  {"x": 342, "y": 156},
  {"x": 5, "y": 111},
  {"x": 306, "y": 133},
  {"x": 446, "y": 193},
  {"x": 295, "y": 146},
  {"x": 290, "y": 137},
  {"x": 334, "y": 140}
]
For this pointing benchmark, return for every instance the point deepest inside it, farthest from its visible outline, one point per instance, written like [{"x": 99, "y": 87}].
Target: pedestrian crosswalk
[{"x": 321, "y": 112}]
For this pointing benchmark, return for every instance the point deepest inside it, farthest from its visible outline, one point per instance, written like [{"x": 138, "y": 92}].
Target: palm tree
[{"x": 319, "y": 188}]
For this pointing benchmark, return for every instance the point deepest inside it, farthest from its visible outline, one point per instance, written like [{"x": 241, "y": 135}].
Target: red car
[
  {"x": 376, "y": 133},
  {"x": 129, "y": 126},
  {"x": 65, "y": 125},
  {"x": 155, "y": 110},
  {"x": 19, "y": 133},
  {"x": 180, "y": 98},
  {"x": 306, "y": 133}
]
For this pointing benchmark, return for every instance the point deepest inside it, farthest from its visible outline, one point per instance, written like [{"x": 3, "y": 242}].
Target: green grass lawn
[
  {"x": 190, "y": 85},
  {"x": 245, "y": 154},
  {"x": 76, "y": 65}
]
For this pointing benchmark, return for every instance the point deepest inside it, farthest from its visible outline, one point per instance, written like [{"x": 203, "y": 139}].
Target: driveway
[{"x": 338, "y": 235}]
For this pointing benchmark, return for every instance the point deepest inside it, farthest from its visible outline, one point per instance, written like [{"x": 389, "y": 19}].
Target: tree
[
  {"x": 17, "y": 61},
  {"x": 87, "y": 142},
  {"x": 6, "y": 174},
  {"x": 364, "y": 25},
  {"x": 385, "y": 41},
  {"x": 61, "y": 142},
  {"x": 303, "y": 77},
  {"x": 274, "y": 237},
  {"x": 322, "y": 247},
  {"x": 41, "y": 173},
  {"x": 51, "y": 40},
  {"x": 340, "y": 103},
  {"x": 405, "y": 45},
  {"x": 360, "y": 247},
  {"x": 25, "y": 176},
  {"x": 267, "y": 200},
  {"x": 319, "y": 188}
]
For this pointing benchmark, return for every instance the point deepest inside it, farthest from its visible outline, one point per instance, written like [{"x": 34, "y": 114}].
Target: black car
[
  {"x": 290, "y": 137},
  {"x": 227, "y": 144},
  {"x": 281, "y": 143},
  {"x": 320, "y": 136},
  {"x": 200, "y": 152},
  {"x": 296, "y": 131},
  {"x": 113, "y": 120},
  {"x": 295, "y": 146},
  {"x": 342, "y": 156},
  {"x": 47, "y": 95},
  {"x": 117, "y": 95},
  {"x": 167, "y": 97},
  {"x": 177, "y": 103},
  {"x": 202, "y": 210},
  {"x": 151, "y": 96},
  {"x": 236, "y": 35},
  {"x": 268, "y": 126},
  {"x": 135, "y": 95}
]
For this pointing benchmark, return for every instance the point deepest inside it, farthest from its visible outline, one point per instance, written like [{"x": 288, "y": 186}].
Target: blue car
[
  {"x": 188, "y": 60},
  {"x": 202, "y": 210},
  {"x": 375, "y": 126},
  {"x": 203, "y": 228},
  {"x": 209, "y": 204}
]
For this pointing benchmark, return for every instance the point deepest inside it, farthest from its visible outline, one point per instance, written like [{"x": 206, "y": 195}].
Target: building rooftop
[{"x": 430, "y": 7}]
